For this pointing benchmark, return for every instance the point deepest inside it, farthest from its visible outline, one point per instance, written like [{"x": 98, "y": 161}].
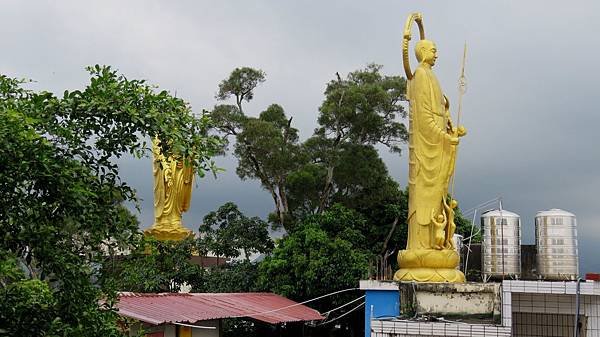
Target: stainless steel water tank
[
  {"x": 501, "y": 244},
  {"x": 556, "y": 240}
]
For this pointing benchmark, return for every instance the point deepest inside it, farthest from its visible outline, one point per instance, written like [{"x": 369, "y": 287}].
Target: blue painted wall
[{"x": 380, "y": 303}]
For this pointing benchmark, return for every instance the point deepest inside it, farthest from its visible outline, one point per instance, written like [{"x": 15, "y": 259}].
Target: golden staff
[
  {"x": 462, "y": 85},
  {"x": 462, "y": 88}
]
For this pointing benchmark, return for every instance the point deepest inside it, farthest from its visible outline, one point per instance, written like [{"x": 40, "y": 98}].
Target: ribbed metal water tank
[
  {"x": 501, "y": 244},
  {"x": 556, "y": 240}
]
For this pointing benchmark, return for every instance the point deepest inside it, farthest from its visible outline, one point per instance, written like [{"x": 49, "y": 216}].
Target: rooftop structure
[
  {"x": 528, "y": 308},
  {"x": 169, "y": 312}
]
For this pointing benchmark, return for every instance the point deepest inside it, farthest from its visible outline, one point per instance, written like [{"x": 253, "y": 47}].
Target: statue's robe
[
  {"x": 172, "y": 190},
  {"x": 430, "y": 156}
]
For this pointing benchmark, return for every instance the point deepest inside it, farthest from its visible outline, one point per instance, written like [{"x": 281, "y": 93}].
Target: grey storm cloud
[{"x": 530, "y": 109}]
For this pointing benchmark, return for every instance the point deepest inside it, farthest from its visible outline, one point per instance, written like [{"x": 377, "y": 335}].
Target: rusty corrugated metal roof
[{"x": 194, "y": 307}]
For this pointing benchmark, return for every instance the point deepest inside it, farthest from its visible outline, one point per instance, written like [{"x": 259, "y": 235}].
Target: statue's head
[
  {"x": 426, "y": 52},
  {"x": 453, "y": 203}
]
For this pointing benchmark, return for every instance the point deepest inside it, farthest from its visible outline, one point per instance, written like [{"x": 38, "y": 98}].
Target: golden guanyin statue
[
  {"x": 172, "y": 195},
  {"x": 433, "y": 139}
]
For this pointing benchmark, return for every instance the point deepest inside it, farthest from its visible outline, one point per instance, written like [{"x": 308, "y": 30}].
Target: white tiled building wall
[
  {"x": 382, "y": 328},
  {"x": 555, "y": 299}
]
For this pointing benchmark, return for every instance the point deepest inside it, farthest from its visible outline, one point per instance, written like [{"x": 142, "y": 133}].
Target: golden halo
[{"x": 418, "y": 18}]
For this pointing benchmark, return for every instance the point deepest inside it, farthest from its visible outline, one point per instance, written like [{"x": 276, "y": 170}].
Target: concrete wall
[{"x": 467, "y": 300}]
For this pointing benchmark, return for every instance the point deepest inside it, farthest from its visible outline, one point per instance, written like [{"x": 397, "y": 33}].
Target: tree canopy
[
  {"x": 357, "y": 113},
  {"x": 229, "y": 233},
  {"x": 61, "y": 195}
]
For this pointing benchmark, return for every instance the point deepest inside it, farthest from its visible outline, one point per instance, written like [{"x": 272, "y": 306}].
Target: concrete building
[{"x": 511, "y": 308}]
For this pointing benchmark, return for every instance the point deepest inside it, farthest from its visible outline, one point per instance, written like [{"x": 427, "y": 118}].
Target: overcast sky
[{"x": 531, "y": 107}]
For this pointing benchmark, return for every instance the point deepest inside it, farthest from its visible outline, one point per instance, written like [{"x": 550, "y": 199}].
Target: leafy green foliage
[
  {"x": 227, "y": 232},
  {"x": 362, "y": 109},
  {"x": 60, "y": 192},
  {"x": 234, "y": 277},
  {"x": 338, "y": 161},
  {"x": 359, "y": 111},
  {"x": 27, "y": 306},
  {"x": 268, "y": 150},
  {"x": 323, "y": 254},
  {"x": 156, "y": 266},
  {"x": 359, "y": 178},
  {"x": 267, "y": 147},
  {"x": 241, "y": 84}
]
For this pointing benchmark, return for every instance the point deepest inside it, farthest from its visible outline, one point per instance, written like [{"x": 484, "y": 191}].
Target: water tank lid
[
  {"x": 554, "y": 212},
  {"x": 497, "y": 213}
]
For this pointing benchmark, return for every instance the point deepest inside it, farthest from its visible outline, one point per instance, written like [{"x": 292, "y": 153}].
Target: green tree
[
  {"x": 267, "y": 147},
  {"x": 228, "y": 232},
  {"x": 268, "y": 150},
  {"x": 360, "y": 110},
  {"x": 233, "y": 277},
  {"x": 240, "y": 84},
  {"x": 358, "y": 113},
  {"x": 60, "y": 191},
  {"x": 27, "y": 306},
  {"x": 156, "y": 266},
  {"x": 325, "y": 253}
]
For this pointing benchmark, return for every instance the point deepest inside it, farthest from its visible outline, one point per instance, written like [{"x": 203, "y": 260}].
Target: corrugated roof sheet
[{"x": 194, "y": 307}]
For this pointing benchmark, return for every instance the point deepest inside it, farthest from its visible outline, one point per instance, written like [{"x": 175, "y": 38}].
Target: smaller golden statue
[{"x": 172, "y": 195}]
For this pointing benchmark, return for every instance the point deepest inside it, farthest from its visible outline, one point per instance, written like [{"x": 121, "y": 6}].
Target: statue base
[
  {"x": 171, "y": 234},
  {"x": 429, "y": 265}
]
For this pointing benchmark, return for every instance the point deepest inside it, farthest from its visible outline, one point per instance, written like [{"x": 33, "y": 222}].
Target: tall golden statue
[
  {"x": 430, "y": 255},
  {"x": 172, "y": 195}
]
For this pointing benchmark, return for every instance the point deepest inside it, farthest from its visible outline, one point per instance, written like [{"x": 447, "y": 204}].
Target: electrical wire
[
  {"x": 491, "y": 201},
  {"x": 295, "y": 304},
  {"x": 343, "y": 305},
  {"x": 471, "y": 235},
  {"x": 344, "y": 314},
  {"x": 196, "y": 326}
]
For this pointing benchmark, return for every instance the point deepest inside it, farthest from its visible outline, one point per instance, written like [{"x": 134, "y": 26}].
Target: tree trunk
[
  {"x": 389, "y": 236},
  {"x": 338, "y": 139},
  {"x": 277, "y": 204},
  {"x": 326, "y": 190},
  {"x": 283, "y": 196},
  {"x": 238, "y": 100}
]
